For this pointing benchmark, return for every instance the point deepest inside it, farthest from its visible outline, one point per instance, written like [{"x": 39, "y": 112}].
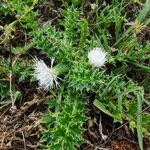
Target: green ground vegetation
[{"x": 120, "y": 89}]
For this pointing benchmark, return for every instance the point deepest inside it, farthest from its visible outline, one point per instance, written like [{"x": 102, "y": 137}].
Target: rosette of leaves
[
  {"x": 46, "y": 40},
  {"x": 85, "y": 79},
  {"x": 59, "y": 43},
  {"x": 64, "y": 122},
  {"x": 69, "y": 22},
  {"x": 54, "y": 43}
]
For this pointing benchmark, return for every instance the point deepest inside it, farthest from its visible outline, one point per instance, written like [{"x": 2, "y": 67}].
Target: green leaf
[
  {"x": 100, "y": 106},
  {"x": 65, "y": 132},
  {"x": 144, "y": 11},
  {"x": 22, "y": 49},
  {"x": 139, "y": 121}
]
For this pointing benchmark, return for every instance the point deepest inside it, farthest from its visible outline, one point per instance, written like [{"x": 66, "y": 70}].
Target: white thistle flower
[
  {"x": 97, "y": 57},
  {"x": 46, "y": 76}
]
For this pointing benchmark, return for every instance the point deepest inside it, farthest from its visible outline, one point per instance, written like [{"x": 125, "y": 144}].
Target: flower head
[
  {"x": 46, "y": 76},
  {"x": 97, "y": 57}
]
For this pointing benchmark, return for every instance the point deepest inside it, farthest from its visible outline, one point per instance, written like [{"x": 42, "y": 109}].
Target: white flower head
[
  {"x": 97, "y": 57},
  {"x": 46, "y": 76}
]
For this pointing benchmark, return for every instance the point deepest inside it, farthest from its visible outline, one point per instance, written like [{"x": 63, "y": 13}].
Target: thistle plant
[
  {"x": 91, "y": 59},
  {"x": 85, "y": 74}
]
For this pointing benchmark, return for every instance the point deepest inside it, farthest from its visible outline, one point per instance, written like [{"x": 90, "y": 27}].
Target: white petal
[
  {"x": 97, "y": 57},
  {"x": 45, "y": 75}
]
